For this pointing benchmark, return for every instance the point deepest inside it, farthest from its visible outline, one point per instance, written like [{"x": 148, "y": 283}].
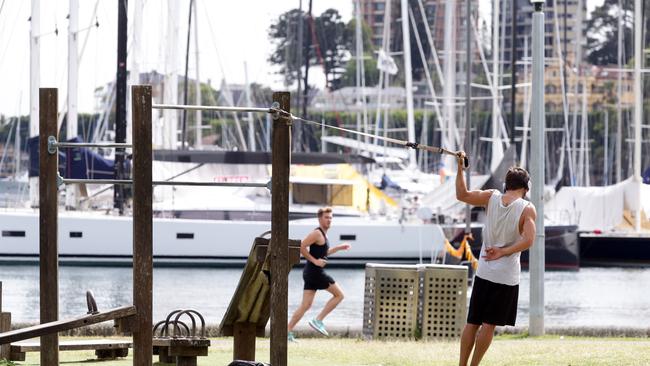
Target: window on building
[
  {"x": 379, "y": 6},
  {"x": 379, "y": 18}
]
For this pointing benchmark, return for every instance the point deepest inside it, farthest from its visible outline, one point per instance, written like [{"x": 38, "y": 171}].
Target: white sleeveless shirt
[{"x": 501, "y": 230}]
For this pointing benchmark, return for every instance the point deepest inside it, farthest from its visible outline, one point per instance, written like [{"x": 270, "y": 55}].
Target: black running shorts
[{"x": 492, "y": 303}]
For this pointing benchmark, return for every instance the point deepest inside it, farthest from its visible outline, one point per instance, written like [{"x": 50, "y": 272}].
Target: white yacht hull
[{"x": 92, "y": 237}]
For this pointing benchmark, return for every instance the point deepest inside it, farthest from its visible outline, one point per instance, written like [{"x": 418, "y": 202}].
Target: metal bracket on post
[
  {"x": 59, "y": 181},
  {"x": 269, "y": 186},
  {"x": 276, "y": 107},
  {"x": 51, "y": 145}
]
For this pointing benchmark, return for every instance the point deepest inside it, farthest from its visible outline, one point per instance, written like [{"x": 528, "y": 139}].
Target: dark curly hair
[{"x": 517, "y": 178}]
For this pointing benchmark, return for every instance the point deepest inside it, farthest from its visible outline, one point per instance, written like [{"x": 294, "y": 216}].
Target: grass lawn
[{"x": 505, "y": 350}]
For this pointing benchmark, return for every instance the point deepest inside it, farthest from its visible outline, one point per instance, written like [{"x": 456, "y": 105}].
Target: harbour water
[{"x": 591, "y": 297}]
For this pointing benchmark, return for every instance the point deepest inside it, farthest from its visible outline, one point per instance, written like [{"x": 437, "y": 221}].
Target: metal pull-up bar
[
  {"x": 53, "y": 146},
  {"x": 267, "y": 185}
]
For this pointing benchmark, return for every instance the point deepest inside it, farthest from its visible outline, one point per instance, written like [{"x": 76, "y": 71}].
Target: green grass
[{"x": 505, "y": 350}]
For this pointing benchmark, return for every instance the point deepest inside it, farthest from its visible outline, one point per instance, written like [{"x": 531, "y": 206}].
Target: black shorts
[
  {"x": 492, "y": 303},
  {"x": 315, "y": 278}
]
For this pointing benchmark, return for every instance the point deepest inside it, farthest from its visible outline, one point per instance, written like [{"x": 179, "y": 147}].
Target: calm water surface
[{"x": 593, "y": 297}]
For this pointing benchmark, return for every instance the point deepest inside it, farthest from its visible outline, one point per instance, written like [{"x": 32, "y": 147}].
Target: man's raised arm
[{"x": 475, "y": 198}]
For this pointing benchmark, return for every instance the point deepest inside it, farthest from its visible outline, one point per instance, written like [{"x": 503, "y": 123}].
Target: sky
[{"x": 230, "y": 34}]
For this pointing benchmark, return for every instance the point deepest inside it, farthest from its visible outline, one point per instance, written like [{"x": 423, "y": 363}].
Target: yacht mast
[
  {"x": 120, "y": 103},
  {"x": 361, "y": 72},
  {"x": 619, "y": 111},
  {"x": 34, "y": 83},
  {"x": 408, "y": 79},
  {"x": 638, "y": 106},
  {"x": 197, "y": 85},
  {"x": 170, "y": 116},
  {"x": 134, "y": 70},
  {"x": 251, "y": 120},
  {"x": 449, "y": 86},
  {"x": 71, "y": 190},
  {"x": 497, "y": 146}
]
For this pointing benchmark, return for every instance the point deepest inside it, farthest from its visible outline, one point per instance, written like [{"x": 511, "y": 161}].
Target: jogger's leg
[
  {"x": 467, "y": 342},
  {"x": 483, "y": 341},
  {"x": 337, "y": 297},
  {"x": 307, "y": 300}
]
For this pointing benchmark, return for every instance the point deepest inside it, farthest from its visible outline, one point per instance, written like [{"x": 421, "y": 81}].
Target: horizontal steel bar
[
  {"x": 211, "y": 108},
  {"x": 165, "y": 183},
  {"x": 92, "y": 144},
  {"x": 210, "y": 184}
]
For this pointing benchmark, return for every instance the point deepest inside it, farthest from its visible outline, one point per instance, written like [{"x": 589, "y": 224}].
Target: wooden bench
[
  {"x": 249, "y": 309},
  {"x": 105, "y": 349}
]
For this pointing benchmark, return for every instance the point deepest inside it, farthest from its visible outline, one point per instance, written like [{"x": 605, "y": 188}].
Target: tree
[
  {"x": 331, "y": 45},
  {"x": 284, "y": 34},
  {"x": 328, "y": 40},
  {"x": 602, "y": 33}
]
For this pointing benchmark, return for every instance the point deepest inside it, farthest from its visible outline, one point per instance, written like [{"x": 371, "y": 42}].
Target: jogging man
[
  {"x": 315, "y": 248},
  {"x": 509, "y": 230}
]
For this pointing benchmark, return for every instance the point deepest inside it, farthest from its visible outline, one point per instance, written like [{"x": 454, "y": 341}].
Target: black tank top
[{"x": 319, "y": 251}]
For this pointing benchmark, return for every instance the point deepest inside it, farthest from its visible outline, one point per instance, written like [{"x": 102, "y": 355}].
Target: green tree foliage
[
  {"x": 332, "y": 46},
  {"x": 284, "y": 34},
  {"x": 326, "y": 35},
  {"x": 602, "y": 33}
]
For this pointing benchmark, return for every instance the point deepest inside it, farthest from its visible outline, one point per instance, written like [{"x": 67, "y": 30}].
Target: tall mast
[
  {"x": 170, "y": 116},
  {"x": 361, "y": 78},
  {"x": 638, "y": 105},
  {"x": 71, "y": 190},
  {"x": 134, "y": 70},
  {"x": 619, "y": 111},
  {"x": 251, "y": 119},
  {"x": 186, "y": 83},
  {"x": 497, "y": 146},
  {"x": 197, "y": 83},
  {"x": 305, "y": 83},
  {"x": 513, "y": 71},
  {"x": 468, "y": 105},
  {"x": 449, "y": 86},
  {"x": 34, "y": 83},
  {"x": 120, "y": 102},
  {"x": 577, "y": 162},
  {"x": 408, "y": 79}
]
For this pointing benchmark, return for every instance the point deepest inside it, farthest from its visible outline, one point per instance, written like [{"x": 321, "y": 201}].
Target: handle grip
[{"x": 466, "y": 162}]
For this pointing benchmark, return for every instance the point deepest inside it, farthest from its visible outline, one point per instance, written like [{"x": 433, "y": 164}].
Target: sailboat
[{"x": 94, "y": 236}]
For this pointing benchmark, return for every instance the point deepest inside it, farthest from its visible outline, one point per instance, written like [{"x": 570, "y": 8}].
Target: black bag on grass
[{"x": 247, "y": 363}]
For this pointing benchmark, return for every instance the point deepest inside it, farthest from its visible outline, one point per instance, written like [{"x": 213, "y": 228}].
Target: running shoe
[
  {"x": 318, "y": 326},
  {"x": 291, "y": 337}
]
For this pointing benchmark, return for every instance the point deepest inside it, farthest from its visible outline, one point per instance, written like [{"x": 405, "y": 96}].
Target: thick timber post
[
  {"x": 279, "y": 250},
  {"x": 142, "y": 226},
  {"x": 48, "y": 206}
]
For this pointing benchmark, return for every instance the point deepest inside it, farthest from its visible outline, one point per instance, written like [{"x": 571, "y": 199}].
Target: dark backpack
[{"x": 247, "y": 363}]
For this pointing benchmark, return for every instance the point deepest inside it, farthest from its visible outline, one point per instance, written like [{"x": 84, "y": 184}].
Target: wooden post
[
  {"x": 48, "y": 216},
  {"x": 142, "y": 226},
  {"x": 280, "y": 230},
  {"x": 5, "y": 326},
  {"x": 244, "y": 341}
]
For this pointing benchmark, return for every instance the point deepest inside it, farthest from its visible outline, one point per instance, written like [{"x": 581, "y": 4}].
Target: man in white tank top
[{"x": 509, "y": 230}]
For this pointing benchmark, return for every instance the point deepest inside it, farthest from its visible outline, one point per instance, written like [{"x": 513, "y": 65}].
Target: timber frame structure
[{"x": 137, "y": 318}]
